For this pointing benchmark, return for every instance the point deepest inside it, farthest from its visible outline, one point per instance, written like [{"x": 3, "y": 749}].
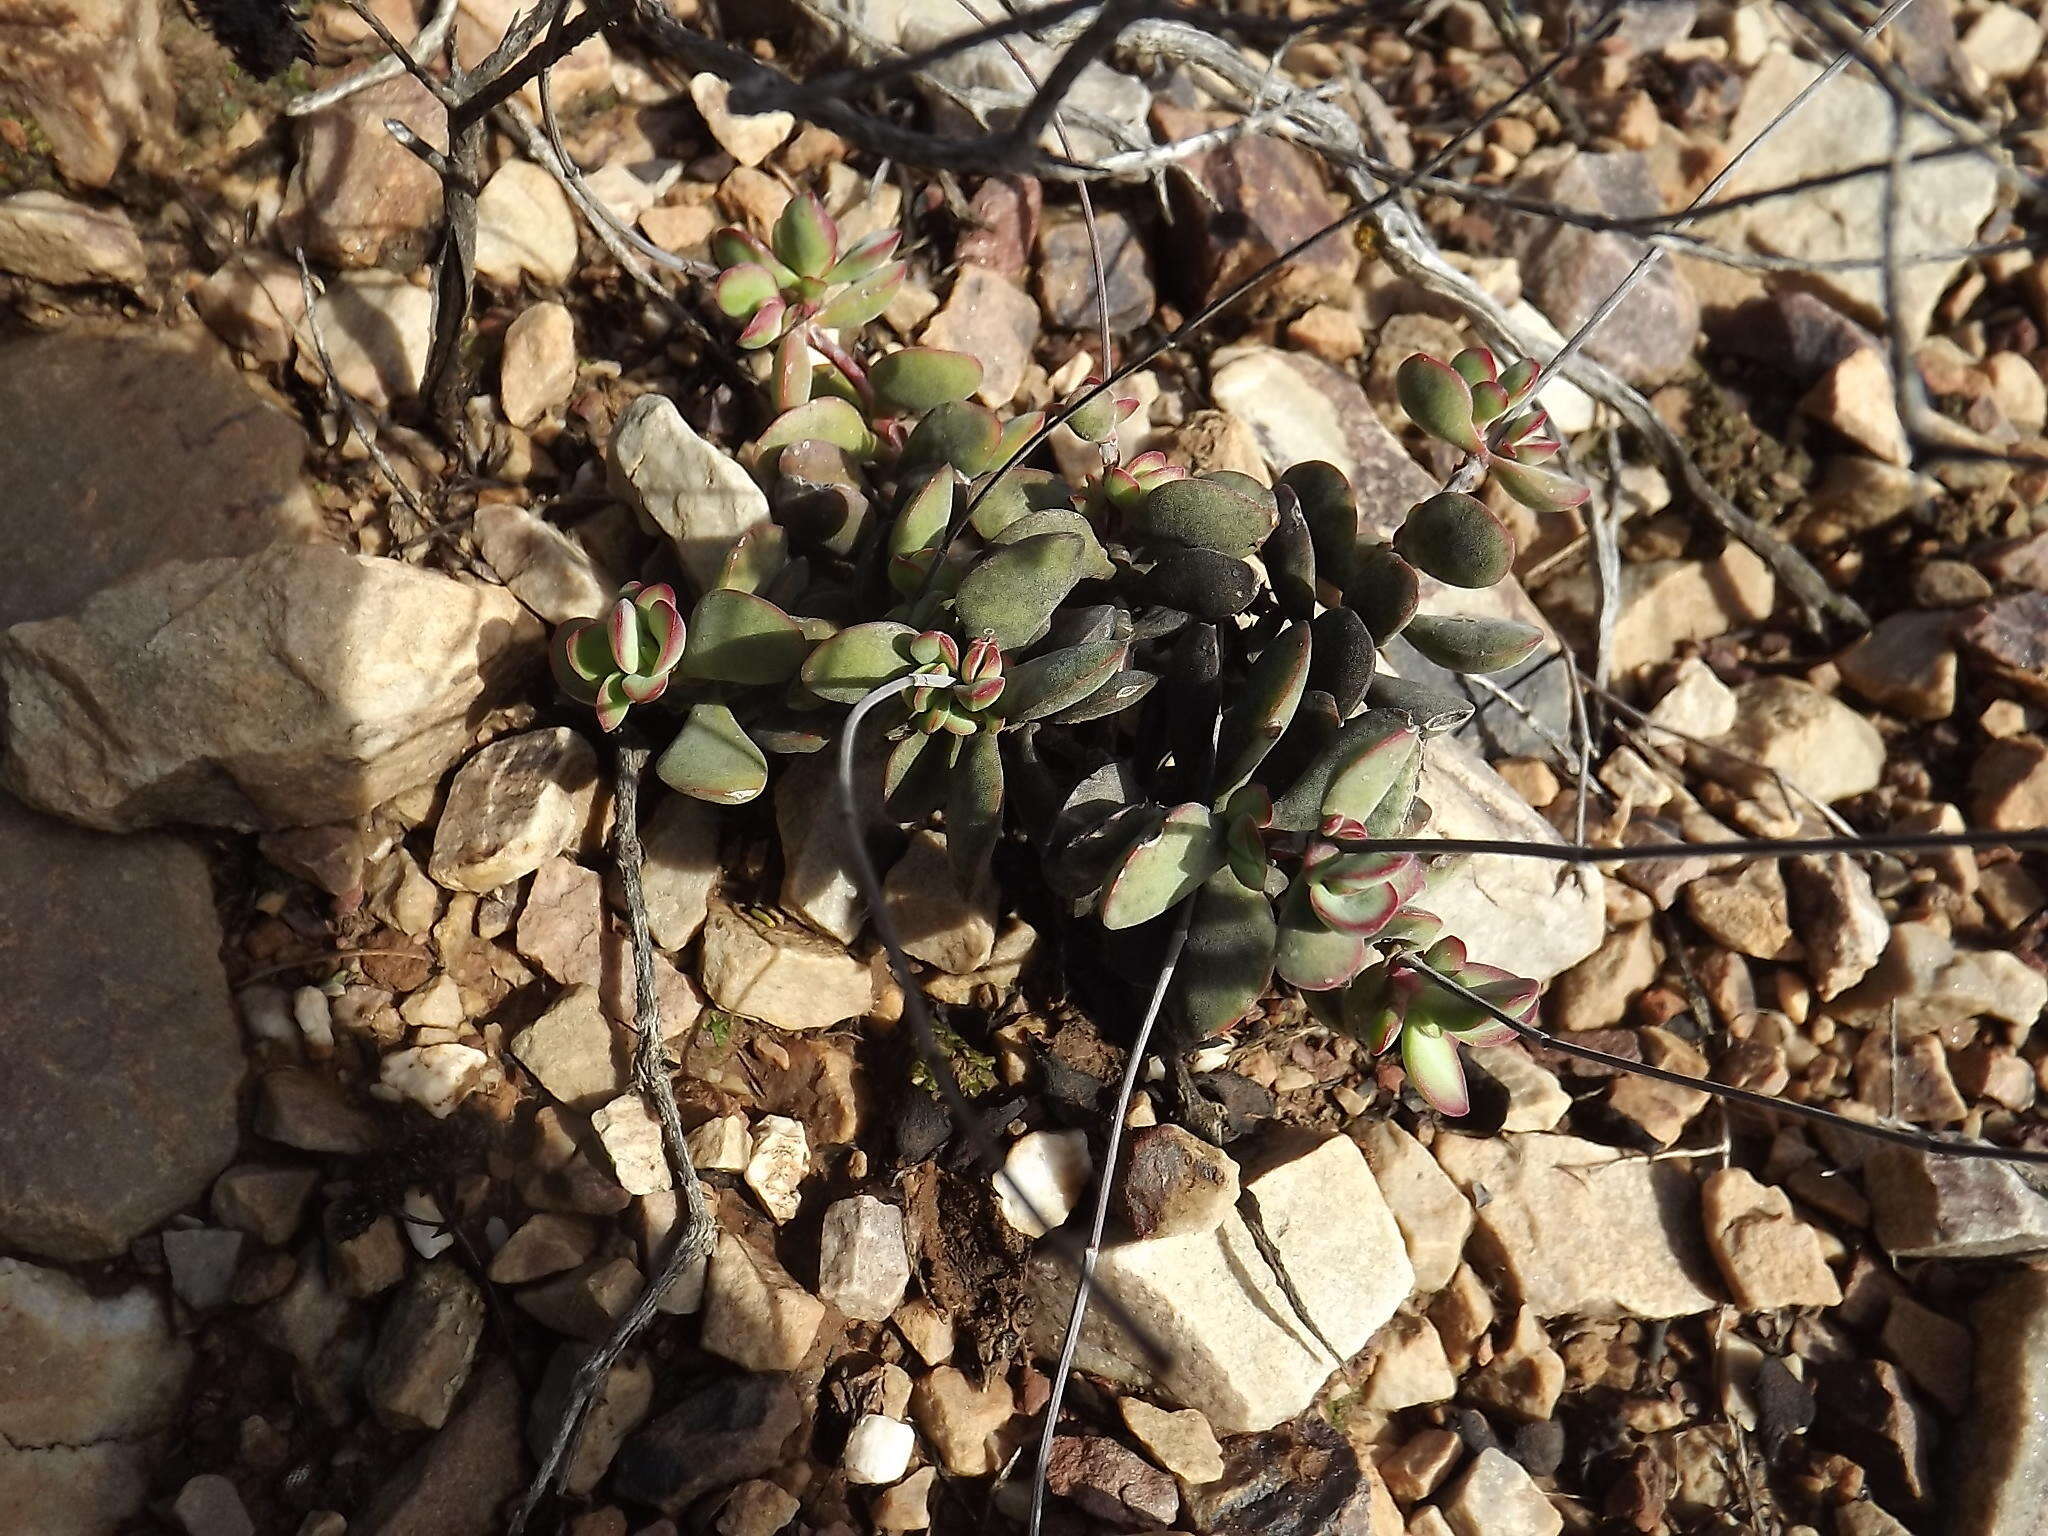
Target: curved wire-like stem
[{"x": 1769, "y": 1104}]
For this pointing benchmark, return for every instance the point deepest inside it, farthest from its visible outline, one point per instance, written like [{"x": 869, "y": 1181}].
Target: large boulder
[
  {"x": 119, "y": 1056},
  {"x": 122, "y": 452},
  {"x": 88, "y": 1386},
  {"x": 295, "y": 687}
]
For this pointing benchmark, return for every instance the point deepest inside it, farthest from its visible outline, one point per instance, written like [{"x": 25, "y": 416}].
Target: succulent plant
[
  {"x": 1477, "y": 407},
  {"x": 799, "y": 280},
  {"x": 624, "y": 659},
  {"x": 1395, "y": 1003}
]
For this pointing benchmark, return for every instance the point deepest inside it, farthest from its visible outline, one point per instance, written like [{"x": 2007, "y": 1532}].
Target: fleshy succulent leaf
[
  {"x": 1227, "y": 964},
  {"x": 1430, "y": 1059},
  {"x": 1382, "y": 589},
  {"x": 926, "y": 513},
  {"x": 1438, "y": 400},
  {"x": 1331, "y": 512},
  {"x": 1343, "y": 658},
  {"x": 974, "y": 808},
  {"x": 861, "y": 301},
  {"x": 915, "y": 379},
  {"x": 738, "y": 637},
  {"x": 1223, "y": 511},
  {"x": 1540, "y": 490},
  {"x": 1430, "y": 709},
  {"x": 741, "y": 291},
  {"x": 1456, "y": 539},
  {"x": 1060, "y": 679},
  {"x": 865, "y": 257},
  {"x": 826, "y": 419},
  {"x": 804, "y": 238},
  {"x": 766, "y": 325},
  {"x": 1469, "y": 643},
  {"x": 1272, "y": 692},
  {"x": 756, "y": 558},
  {"x": 855, "y": 662},
  {"x": 1312, "y": 955},
  {"x": 1163, "y": 868},
  {"x": 1011, "y": 593},
  {"x": 1206, "y": 583},
  {"x": 713, "y": 759},
  {"x": 961, "y": 433},
  {"x": 1300, "y": 809},
  {"x": 1362, "y": 783}
]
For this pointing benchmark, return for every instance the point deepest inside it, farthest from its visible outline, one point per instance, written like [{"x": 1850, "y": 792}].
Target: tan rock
[
  {"x": 1769, "y": 1257},
  {"x": 1664, "y": 604},
  {"x": 1855, "y": 398},
  {"x": 574, "y": 1050},
  {"x": 1495, "y": 1497},
  {"x": 538, "y": 367},
  {"x": 1790, "y": 728},
  {"x": 357, "y": 197},
  {"x": 1434, "y": 1218},
  {"x": 785, "y": 976},
  {"x": 1410, "y": 1368},
  {"x": 91, "y": 75},
  {"x": 1596, "y": 992},
  {"x": 749, "y": 138},
  {"x": 53, "y": 239},
  {"x": 1182, "y": 1442},
  {"x": 755, "y": 1315},
  {"x": 512, "y": 807},
  {"x": 524, "y": 227},
  {"x": 960, "y": 1419}
]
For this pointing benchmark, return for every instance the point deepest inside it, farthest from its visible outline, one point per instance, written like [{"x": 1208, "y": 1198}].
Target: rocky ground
[{"x": 322, "y": 1170}]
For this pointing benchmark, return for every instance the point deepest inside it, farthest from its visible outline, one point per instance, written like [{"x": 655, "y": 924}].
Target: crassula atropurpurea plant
[{"x": 1170, "y": 685}]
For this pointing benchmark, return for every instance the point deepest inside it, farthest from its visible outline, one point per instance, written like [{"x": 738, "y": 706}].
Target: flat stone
[
  {"x": 208, "y": 1505},
  {"x": 1665, "y": 604},
  {"x": 49, "y": 237},
  {"x": 724, "y": 1430},
  {"x": 1597, "y": 991},
  {"x": 1102, "y": 1478},
  {"x": 1865, "y": 1410},
  {"x": 681, "y": 870},
  {"x": 1181, "y": 1442},
  {"x": 863, "y": 1265},
  {"x": 295, "y": 730},
  {"x": 1768, "y": 1256},
  {"x": 537, "y": 368},
  {"x": 782, "y": 975},
  {"x": 575, "y": 1052},
  {"x": 618, "y": 1408},
  {"x": 1697, "y": 705},
  {"x": 755, "y": 1315},
  {"x": 1932, "y": 1349},
  {"x": 546, "y": 569},
  {"x": 1237, "y": 1350},
  {"x": 1536, "y": 1099},
  {"x": 2009, "y": 785},
  {"x": 1570, "y": 271},
  {"x": 1933, "y": 1207},
  {"x": 934, "y": 921},
  {"x": 2010, "y": 636},
  {"x": 1495, "y": 1497},
  {"x": 379, "y": 330},
  {"x": 367, "y": 1263},
  {"x": 122, "y": 452},
  {"x": 1941, "y": 206},
  {"x": 1745, "y": 909},
  {"x": 1434, "y": 1218},
  {"x": 563, "y": 930},
  {"x": 1906, "y": 665},
  {"x": 425, "y": 1348},
  {"x": 91, "y": 75},
  {"x": 357, "y": 197},
  {"x": 456, "y": 1484},
  {"x": 681, "y": 485},
  {"x": 512, "y": 807},
  {"x": 588, "y": 1302},
  {"x": 94, "y": 1385},
  {"x": 1790, "y": 728},
  {"x": 2003, "y": 1443},
  {"x": 818, "y": 884},
  {"x": 1924, "y": 982},
  {"x": 255, "y": 303},
  {"x": 545, "y": 1244},
  {"x": 120, "y": 1059},
  {"x": 1303, "y": 1479},
  {"x": 993, "y": 319},
  {"x": 524, "y": 226},
  {"x": 776, "y": 1169},
  {"x": 1065, "y": 274},
  {"x": 632, "y": 1140},
  {"x": 749, "y": 137},
  {"x": 1546, "y": 1192}
]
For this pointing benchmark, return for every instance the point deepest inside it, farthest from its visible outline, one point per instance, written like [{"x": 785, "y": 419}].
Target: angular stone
[
  {"x": 632, "y": 1140},
  {"x": 1175, "y": 1183},
  {"x": 1745, "y": 909},
  {"x": 122, "y": 452},
  {"x": 253, "y": 302},
  {"x": 537, "y": 369},
  {"x": 724, "y": 1430},
  {"x": 545, "y": 1244},
  {"x": 1790, "y": 728},
  {"x": 1768, "y": 1256},
  {"x": 91, "y": 76},
  {"x": 546, "y": 569},
  {"x": 682, "y": 868},
  {"x": 575, "y": 1052},
  {"x": 1839, "y": 920},
  {"x": 755, "y": 1315},
  {"x": 1865, "y": 1411},
  {"x": 1237, "y": 1351},
  {"x": 588, "y": 1302},
  {"x": 2009, "y": 785},
  {"x": 1940, "y": 206},
  {"x": 1570, "y": 271},
  {"x": 1065, "y": 274},
  {"x": 1495, "y": 1497},
  {"x": 1933, "y": 1207},
  {"x": 863, "y": 1265},
  {"x": 1924, "y": 982},
  {"x": 93, "y": 1384},
  {"x": 817, "y": 867},
  {"x": 1665, "y": 604},
  {"x": 208, "y": 1505},
  {"x": 1105, "y": 1480},
  {"x": 268, "y": 1203},
  {"x": 458, "y": 1481},
  {"x": 1856, "y": 398},
  {"x": 1433, "y": 1217},
  {"x": 425, "y": 1348},
  {"x": 615, "y": 1411},
  {"x": 120, "y": 1060},
  {"x": 562, "y": 929},
  {"x": 292, "y": 688},
  {"x": 784, "y": 976},
  {"x": 994, "y": 320},
  {"x": 52, "y": 239},
  {"x": 1182, "y": 1442},
  {"x": 1300, "y": 1480},
  {"x": 1597, "y": 991},
  {"x": 776, "y": 1168},
  {"x": 1042, "y": 1179},
  {"x": 2004, "y": 1441},
  {"x": 1536, "y": 1099},
  {"x": 960, "y": 1419},
  {"x": 1409, "y": 1368},
  {"x": 1546, "y": 1192},
  {"x": 357, "y": 197},
  {"x": 749, "y": 137},
  {"x": 512, "y": 807},
  {"x": 681, "y": 485},
  {"x": 934, "y": 921},
  {"x": 202, "y": 1264},
  {"x": 524, "y": 225}
]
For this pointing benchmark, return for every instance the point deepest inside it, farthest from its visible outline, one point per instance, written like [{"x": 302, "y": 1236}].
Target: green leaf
[
  {"x": 961, "y": 433},
  {"x": 1113, "y": 697},
  {"x": 1272, "y": 691},
  {"x": 1289, "y": 556},
  {"x": 1206, "y": 583},
  {"x": 1095, "y": 561},
  {"x": 742, "y": 290},
  {"x": 755, "y": 559},
  {"x": 805, "y": 238},
  {"x": 1301, "y": 808},
  {"x": 826, "y": 420},
  {"x": 713, "y": 759},
  {"x": 974, "y": 808},
  {"x": 927, "y": 511},
  {"x": 1457, "y": 540},
  {"x": 1222, "y": 511},
  {"x": 1014, "y": 494},
  {"x": 1364, "y": 780},
  {"x": 912, "y": 381},
  {"x": 1466, "y": 643},
  {"x": 1310, "y": 955},
  {"x": 1539, "y": 489},
  {"x": 1011, "y": 594},
  {"x": 1430, "y": 1058},
  {"x": 1429, "y": 709},
  {"x": 1058, "y": 680},
  {"x": 1344, "y": 658},
  {"x": 861, "y": 301},
  {"x": 737, "y": 637},
  {"x": 1331, "y": 512},
  {"x": 1164, "y": 868},
  {"x": 1382, "y": 589},
  {"x": 1227, "y": 965},
  {"x": 917, "y": 776},
  {"x": 855, "y": 662},
  {"x": 1437, "y": 400}
]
